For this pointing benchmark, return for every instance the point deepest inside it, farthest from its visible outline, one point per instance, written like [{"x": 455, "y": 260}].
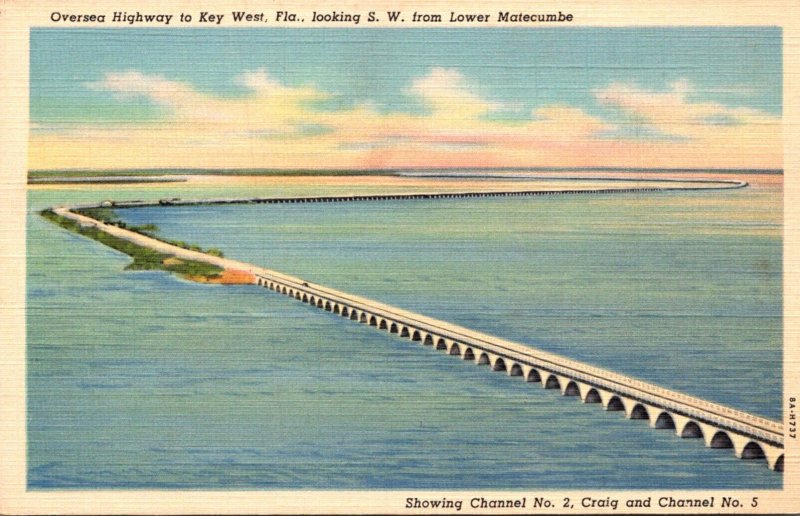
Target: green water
[{"x": 144, "y": 380}]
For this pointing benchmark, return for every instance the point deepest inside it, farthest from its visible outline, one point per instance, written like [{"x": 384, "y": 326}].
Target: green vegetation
[
  {"x": 109, "y": 216},
  {"x": 143, "y": 257}
]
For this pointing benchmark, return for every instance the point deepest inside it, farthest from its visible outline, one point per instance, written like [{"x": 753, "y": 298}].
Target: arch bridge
[{"x": 749, "y": 436}]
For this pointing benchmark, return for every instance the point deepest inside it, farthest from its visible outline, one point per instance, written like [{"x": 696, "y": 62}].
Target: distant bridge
[
  {"x": 681, "y": 185},
  {"x": 750, "y": 436}
]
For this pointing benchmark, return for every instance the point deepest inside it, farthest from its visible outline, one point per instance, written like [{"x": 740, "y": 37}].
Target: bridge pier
[
  {"x": 662, "y": 421},
  {"x": 536, "y": 369}
]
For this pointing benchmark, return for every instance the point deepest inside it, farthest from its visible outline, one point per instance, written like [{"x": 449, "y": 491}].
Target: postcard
[{"x": 399, "y": 258}]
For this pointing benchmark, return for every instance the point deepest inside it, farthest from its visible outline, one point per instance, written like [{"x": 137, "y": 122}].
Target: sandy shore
[{"x": 228, "y": 277}]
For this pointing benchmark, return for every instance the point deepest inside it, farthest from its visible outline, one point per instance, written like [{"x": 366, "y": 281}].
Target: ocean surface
[{"x": 145, "y": 380}]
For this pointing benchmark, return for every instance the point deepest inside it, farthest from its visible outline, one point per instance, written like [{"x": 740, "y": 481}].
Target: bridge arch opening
[
  {"x": 753, "y": 451},
  {"x": 664, "y": 421},
  {"x": 336, "y": 309},
  {"x": 416, "y": 337},
  {"x": 271, "y": 286},
  {"x": 516, "y": 370},
  {"x": 328, "y": 306},
  {"x": 283, "y": 291},
  {"x": 615, "y": 404},
  {"x": 572, "y": 389},
  {"x": 533, "y": 376},
  {"x": 639, "y": 412},
  {"x": 691, "y": 431},
  {"x": 363, "y": 318},
  {"x": 305, "y": 298},
  {"x": 320, "y": 303},
  {"x": 382, "y": 325},
  {"x": 552, "y": 382},
  {"x": 345, "y": 312},
  {"x": 393, "y": 328},
  {"x": 373, "y": 321},
  {"x": 779, "y": 464},
  {"x": 441, "y": 344},
  {"x": 312, "y": 301},
  {"x": 404, "y": 332},
  {"x": 455, "y": 349},
  {"x": 721, "y": 440},
  {"x": 469, "y": 354},
  {"x": 483, "y": 359},
  {"x": 499, "y": 365},
  {"x": 428, "y": 340},
  {"x": 592, "y": 396},
  {"x": 297, "y": 295},
  {"x": 353, "y": 315}
]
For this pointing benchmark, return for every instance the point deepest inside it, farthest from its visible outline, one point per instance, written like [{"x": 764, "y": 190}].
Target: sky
[{"x": 405, "y": 98}]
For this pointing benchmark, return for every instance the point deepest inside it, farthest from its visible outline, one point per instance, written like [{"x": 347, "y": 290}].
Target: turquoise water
[{"x": 140, "y": 379}]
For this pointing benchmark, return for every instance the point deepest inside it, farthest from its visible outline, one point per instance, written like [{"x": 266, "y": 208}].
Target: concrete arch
[
  {"x": 533, "y": 376},
  {"x": 363, "y": 318},
  {"x": 320, "y": 303},
  {"x": 571, "y": 389},
  {"x": 720, "y": 440},
  {"x": 345, "y": 312},
  {"x": 751, "y": 450},
  {"x": 283, "y": 290},
  {"x": 373, "y": 321},
  {"x": 455, "y": 349},
  {"x": 291, "y": 292},
  {"x": 592, "y": 396},
  {"x": 428, "y": 340},
  {"x": 312, "y": 301},
  {"x": 499, "y": 364},
  {"x": 664, "y": 421},
  {"x": 482, "y": 359},
  {"x": 404, "y": 332},
  {"x": 639, "y": 411},
  {"x": 382, "y": 325},
  {"x": 691, "y": 430},
  {"x": 305, "y": 298},
  {"x": 353, "y": 315},
  {"x": 695, "y": 430},
  {"x": 552, "y": 382},
  {"x": 328, "y": 306},
  {"x": 778, "y": 466},
  {"x": 271, "y": 285},
  {"x": 515, "y": 370},
  {"x": 468, "y": 354},
  {"x": 336, "y": 309},
  {"x": 416, "y": 336},
  {"x": 441, "y": 344},
  {"x": 393, "y": 328}
]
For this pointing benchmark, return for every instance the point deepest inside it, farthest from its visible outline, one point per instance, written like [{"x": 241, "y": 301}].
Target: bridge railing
[
  {"x": 667, "y": 399},
  {"x": 696, "y": 408}
]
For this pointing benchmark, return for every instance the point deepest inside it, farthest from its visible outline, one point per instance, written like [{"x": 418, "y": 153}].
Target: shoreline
[
  {"x": 750, "y": 436},
  {"x": 429, "y": 179}
]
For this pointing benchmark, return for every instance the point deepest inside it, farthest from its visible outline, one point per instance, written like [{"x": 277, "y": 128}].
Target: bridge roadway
[
  {"x": 680, "y": 185},
  {"x": 750, "y": 437}
]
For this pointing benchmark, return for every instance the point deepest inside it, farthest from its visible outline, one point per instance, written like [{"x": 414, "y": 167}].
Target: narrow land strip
[{"x": 750, "y": 436}]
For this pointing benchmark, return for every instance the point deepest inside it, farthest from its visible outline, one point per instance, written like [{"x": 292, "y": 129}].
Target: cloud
[
  {"x": 132, "y": 83},
  {"x": 272, "y": 124},
  {"x": 446, "y": 90},
  {"x": 672, "y": 113}
]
